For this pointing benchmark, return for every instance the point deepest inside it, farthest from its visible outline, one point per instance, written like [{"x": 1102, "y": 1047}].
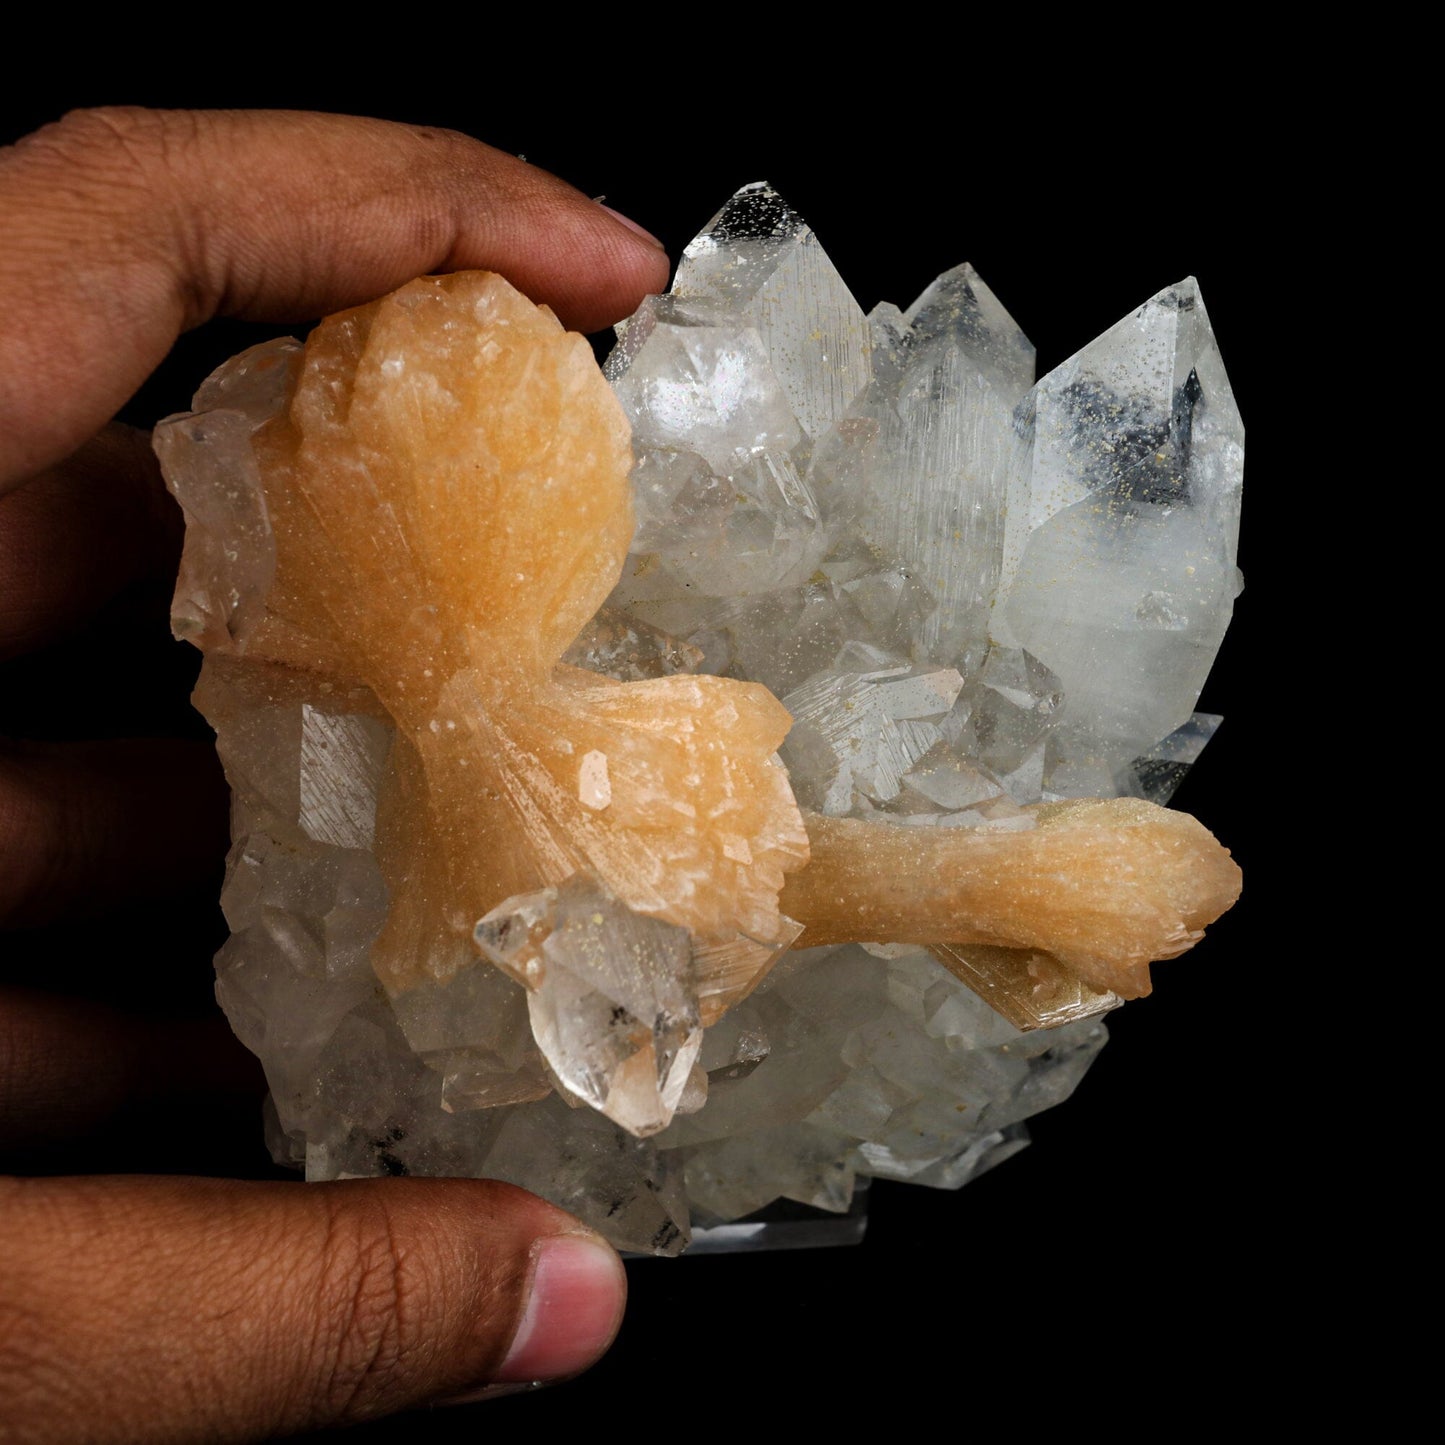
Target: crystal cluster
[{"x": 528, "y": 889}]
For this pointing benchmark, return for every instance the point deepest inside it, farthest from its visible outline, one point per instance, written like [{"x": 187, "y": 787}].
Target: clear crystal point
[
  {"x": 959, "y": 309},
  {"x": 1126, "y": 580},
  {"x": 920, "y": 465},
  {"x": 762, "y": 260},
  {"x": 613, "y": 1004},
  {"x": 700, "y": 379}
]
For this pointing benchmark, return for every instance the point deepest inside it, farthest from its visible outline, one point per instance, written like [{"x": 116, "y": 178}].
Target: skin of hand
[{"x": 170, "y": 1308}]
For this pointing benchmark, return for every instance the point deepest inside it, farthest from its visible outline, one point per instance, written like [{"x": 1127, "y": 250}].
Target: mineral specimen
[{"x": 515, "y": 881}]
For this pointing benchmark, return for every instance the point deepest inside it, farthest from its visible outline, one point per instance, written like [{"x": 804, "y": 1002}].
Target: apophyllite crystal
[{"x": 533, "y": 874}]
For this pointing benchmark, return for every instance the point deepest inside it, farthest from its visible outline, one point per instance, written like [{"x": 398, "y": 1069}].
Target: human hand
[{"x": 175, "y": 1308}]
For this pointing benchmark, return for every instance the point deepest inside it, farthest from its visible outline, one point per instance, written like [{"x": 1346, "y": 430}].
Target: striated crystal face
[{"x": 520, "y": 883}]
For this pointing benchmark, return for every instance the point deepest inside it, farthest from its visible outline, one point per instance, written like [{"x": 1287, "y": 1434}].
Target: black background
[{"x": 1148, "y": 1234}]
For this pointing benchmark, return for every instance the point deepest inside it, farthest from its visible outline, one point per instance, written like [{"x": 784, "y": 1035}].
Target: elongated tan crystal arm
[{"x": 1104, "y": 886}]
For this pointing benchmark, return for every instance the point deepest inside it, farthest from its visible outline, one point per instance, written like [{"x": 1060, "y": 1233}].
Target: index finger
[{"x": 121, "y": 228}]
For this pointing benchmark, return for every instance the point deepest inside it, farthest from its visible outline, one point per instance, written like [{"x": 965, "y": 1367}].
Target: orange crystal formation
[{"x": 448, "y": 494}]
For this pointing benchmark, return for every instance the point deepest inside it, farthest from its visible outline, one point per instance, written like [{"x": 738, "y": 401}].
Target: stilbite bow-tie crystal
[{"x": 513, "y": 886}]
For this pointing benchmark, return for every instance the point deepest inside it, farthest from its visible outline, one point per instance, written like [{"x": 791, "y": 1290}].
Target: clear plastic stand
[{"x": 782, "y": 1225}]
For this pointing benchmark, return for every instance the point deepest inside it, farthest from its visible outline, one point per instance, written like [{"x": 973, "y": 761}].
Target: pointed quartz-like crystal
[
  {"x": 618, "y": 1000},
  {"x": 959, "y": 310},
  {"x": 1126, "y": 579},
  {"x": 1161, "y": 770},
  {"x": 622, "y": 647},
  {"x": 1007, "y": 712},
  {"x": 761, "y": 259},
  {"x": 612, "y": 996},
  {"x": 922, "y": 460},
  {"x": 229, "y": 561}
]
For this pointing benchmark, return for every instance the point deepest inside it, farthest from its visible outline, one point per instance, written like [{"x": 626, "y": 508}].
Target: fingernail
[
  {"x": 633, "y": 226},
  {"x": 574, "y": 1306}
]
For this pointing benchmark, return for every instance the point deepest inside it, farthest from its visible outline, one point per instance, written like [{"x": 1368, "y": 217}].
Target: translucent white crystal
[
  {"x": 959, "y": 310},
  {"x": 1005, "y": 716},
  {"x": 863, "y": 731},
  {"x": 624, "y": 1187},
  {"x": 921, "y": 463},
  {"x": 759, "y": 258},
  {"x": 230, "y": 556},
  {"x": 754, "y": 529},
  {"x": 611, "y": 994},
  {"x": 698, "y": 381},
  {"x": 732, "y": 1177},
  {"x": 629, "y": 650},
  {"x": 1127, "y": 579},
  {"x": 1163, "y": 767}
]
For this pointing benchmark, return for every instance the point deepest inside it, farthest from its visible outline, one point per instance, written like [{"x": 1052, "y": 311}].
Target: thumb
[{"x": 199, "y": 1309}]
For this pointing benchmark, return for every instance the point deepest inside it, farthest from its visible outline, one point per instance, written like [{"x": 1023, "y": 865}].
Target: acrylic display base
[{"x": 782, "y": 1225}]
